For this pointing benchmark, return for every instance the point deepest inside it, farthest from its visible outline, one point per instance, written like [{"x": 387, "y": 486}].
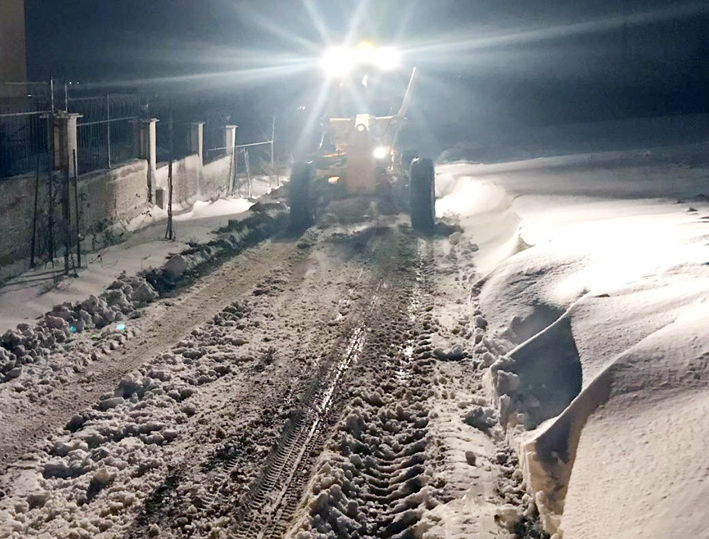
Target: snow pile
[
  {"x": 597, "y": 300},
  {"x": 94, "y": 475},
  {"x": 126, "y": 295},
  {"x": 35, "y": 360},
  {"x": 29, "y": 345},
  {"x": 232, "y": 239},
  {"x": 218, "y": 208},
  {"x": 142, "y": 246}
]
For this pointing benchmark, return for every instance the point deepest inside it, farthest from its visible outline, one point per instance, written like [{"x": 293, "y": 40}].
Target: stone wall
[
  {"x": 119, "y": 194},
  {"x": 216, "y": 176},
  {"x": 192, "y": 181},
  {"x": 107, "y": 197},
  {"x": 16, "y": 211},
  {"x": 185, "y": 180}
]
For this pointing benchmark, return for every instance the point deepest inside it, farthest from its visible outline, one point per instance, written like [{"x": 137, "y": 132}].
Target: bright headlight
[
  {"x": 381, "y": 152},
  {"x": 338, "y": 61},
  {"x": 388, "y": 59}
]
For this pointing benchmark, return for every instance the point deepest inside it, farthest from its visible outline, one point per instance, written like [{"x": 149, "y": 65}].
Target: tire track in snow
[
  {"x": 274, "y": 498},
  {"x": 375, "y": 479}
]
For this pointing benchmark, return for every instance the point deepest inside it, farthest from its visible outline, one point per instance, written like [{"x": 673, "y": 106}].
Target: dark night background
[{"x": 487, "y": 66}]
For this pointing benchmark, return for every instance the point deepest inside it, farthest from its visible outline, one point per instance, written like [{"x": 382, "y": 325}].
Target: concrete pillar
[
  {"x": 197, "y": 144},
  {"x": 65, "y": 142},
  {"x": 230, "y": 138},
  {"x": 148, "y": 151}
]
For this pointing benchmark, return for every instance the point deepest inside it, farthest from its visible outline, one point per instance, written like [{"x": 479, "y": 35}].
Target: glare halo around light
[{"x": 340, "y": 61}]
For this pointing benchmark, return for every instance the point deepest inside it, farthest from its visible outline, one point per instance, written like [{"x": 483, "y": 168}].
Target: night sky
[{"x": 516, "y": 62}]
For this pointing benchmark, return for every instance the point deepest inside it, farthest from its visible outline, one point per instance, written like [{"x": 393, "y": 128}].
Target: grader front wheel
[
  {"x": 422, "y": 193},
  {"x": 302, "y": 212}
]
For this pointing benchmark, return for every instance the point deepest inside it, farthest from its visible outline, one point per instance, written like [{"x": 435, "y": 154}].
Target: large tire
[
  {"x": 422, "y": 195},
  {"x": 302, "y": 212}
]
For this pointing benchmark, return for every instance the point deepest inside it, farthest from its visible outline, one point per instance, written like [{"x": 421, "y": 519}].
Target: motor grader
[{"x": 359, "y": 153}]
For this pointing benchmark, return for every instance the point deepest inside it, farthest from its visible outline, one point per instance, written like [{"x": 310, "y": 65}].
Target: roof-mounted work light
[{"x": 340, "y": 61}]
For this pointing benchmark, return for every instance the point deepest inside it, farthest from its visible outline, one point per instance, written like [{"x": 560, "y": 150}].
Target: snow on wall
[
  {"x": 110, "y": 196},
  {"x": 192, "y": 181}
]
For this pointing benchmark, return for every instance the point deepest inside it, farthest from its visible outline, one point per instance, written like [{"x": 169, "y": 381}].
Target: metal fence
[
  {"x": 177, "y": 145},
  {"x": 214, "y": 141},
  {"x": 24, "y": 132},
  {"x": 255, "y": 159},
  {"x": 171, "y": 117},
  {"x": 105, "y": 130}
]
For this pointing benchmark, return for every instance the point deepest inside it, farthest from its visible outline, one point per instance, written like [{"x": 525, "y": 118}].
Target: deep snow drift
[{"x": 596, "y": 280}]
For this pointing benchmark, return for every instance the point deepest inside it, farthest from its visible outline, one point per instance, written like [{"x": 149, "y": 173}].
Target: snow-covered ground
[
  {"x": 35, "y": 292},
  {"x": 338, "y": 383},
  {"x": 595, "y": 277}
]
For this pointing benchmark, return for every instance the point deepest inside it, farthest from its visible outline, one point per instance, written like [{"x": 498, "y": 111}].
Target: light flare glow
[
  {"x": 381, "y": 152},
  {"x": 340, "y": 61}
]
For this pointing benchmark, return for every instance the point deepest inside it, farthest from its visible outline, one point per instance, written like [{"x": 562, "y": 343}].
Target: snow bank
[
  {"x": 600, "y": 291},
  {"x": 484, "y": 207},
  {"x": 35, "y": 358},
  {"x": 29, "y": 296}
]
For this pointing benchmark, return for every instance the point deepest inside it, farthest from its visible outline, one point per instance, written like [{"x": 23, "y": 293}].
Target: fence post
[
  {"x": 148, "y": 151},
  {"x": 197, "y": 141},
  {"x": 247, "y": 164},
  {"x": 230, "y": 145},
  {"x": 65, "y": 141},
  {"x": 273, "y": 152},
  {"x": 108, "y": 128}
]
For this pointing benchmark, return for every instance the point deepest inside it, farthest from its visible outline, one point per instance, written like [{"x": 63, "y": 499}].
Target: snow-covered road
[
  {"x": 360, "y": 381},
  {"x": 312, "y": 387}
]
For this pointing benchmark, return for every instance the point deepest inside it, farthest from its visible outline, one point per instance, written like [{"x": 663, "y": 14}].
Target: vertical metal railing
[
  {"x": 22, "y": 134},
  {"x": 104, "y": 132},
  {"x": 108, "y": 128}
]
